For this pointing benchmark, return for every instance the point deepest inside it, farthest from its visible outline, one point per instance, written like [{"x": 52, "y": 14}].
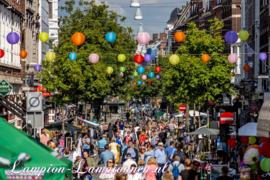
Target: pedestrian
[
  {"x": 163, "y": 135},
  {"x": 153, "y": 138},
  {"x": 142, "y": 137},
  {"x": 188, "y": 173},
  {"x": 170, "y": 152},
  {"x": 132, "y": 151},
  {"x": 128, "y": 116},
  {"x": 114, "y": 149},
  {"x": 141, "y": 153},
  {"x": 110, "y": 132},
  {"x": 179, "y": 152},
  {"x": 168, "y": 175},
  {"x": 88, "y": 163},
  {"x": 195, "y": 167},
  {"x": 122, "y": 127},
  {"x": 224, "y": 176},
  {"x": 101, "y": 144},
  {"x": 106, "y": 175},
  {"x": 119, "y": 141},
  {"x": 161, "y": 158},
  {"x": 129, "y": 161},
  {"x": 176, "y": 167},
  {"x": 156, "y": 144},
  {"x": 134, "y": 175},
  {"x": 149, "y": 154},
  {"x": 171, "y": 128},
  {"x": 168, "y": 141},
  {"x": 115, "y": 128},
  {"x": 151, "y": 173},
  {"x": 105, "y": 156},
  {"x": 120, "y": 176},
  {"x": 67, "y": 154},
  {"x": 86, "y": 143},
  {"x": 105, "y": 127}
]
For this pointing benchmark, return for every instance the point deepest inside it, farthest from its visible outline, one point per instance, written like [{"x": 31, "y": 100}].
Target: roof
[{"x": 174, "y": 16}]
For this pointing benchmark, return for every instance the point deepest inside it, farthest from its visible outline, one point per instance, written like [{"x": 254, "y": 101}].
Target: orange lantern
[
  {"x": 23, "y": 54},
  {"x": 179, "y": 36},
  {"x": 134, "y": 84},
  {"x": 233, "y": 74},
  {"x": 246, "y": 68},
  {"x": 205, "y": 58},
  {"x": 78, "y": 39}
]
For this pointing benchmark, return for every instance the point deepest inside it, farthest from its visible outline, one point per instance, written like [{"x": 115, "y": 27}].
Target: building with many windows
[{"x": 53, "y": 21}]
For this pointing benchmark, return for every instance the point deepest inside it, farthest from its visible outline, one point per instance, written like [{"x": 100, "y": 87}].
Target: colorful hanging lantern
[
  {"x": 263, "y": 56},
  {"x": 263, "y": 139},
  {"x": 140, "y": 70},
  {"x": 135, "y": 74},
  {"x": 232, "y": 58},
  {"x": 244, "y": 139},
  {"x": 147, "y": 58},
  {"x": 231, "y": 37},
  {"x": 13, "y": 38},
  {"x": 138, "y": 58},
  {"x": 110, "y": 37},
  {"x": 232, "y": 142},
  {"x": 37, "y": 67},
  {"x": 121, "y": 74},
  {"x": 252, "y": 140},
  {"x": 265, "y": 150},
  {"x": 261, "y": 158},
  {"x": 233, "y": 74},
  {"x": 23, "y": 54},
  {"x": 144, "y": 77},
  {"x": 2, "y": 53},
  {"x": 139, "y": 83},
  {"x": 246, "y": 68},
  {"x": 122, "y": 69},
  {"x": 50, "y": 56},
  {"x": 151, "y": 75},
  {"x": 143, "y": 83},
  {"x": 132, "y": 76},
  {"x": 174, "y": 59},
  {"x": 109, "y": 70},
  {"x": 78, "y": 38},
  {"x": 93, "y": 58},
  {"x": 251, "y": 156},
  {"x": 72, "y": 56},
  {"x": 179, "y": 36},
  {"x": 43, "y": 37},
  {"x": 158, "y": 69},
  {"x": 243, "y": 35},
  {"x": 134, "y": 84},
  {"x": 265, "y": 164},
  {"x": 149, "y": 82},
  {"x": 205, "y": 58},
  {"x": 121, "y": 57},
  {"x": 157, "y": 76},
  {"x": 143, "y": 38}
]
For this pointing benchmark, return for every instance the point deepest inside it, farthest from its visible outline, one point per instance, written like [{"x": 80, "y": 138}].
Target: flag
[{"x": 249, "y": 50}]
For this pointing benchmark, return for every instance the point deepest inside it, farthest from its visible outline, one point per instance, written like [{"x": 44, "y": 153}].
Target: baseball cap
[{"x": 160, "y": 144}]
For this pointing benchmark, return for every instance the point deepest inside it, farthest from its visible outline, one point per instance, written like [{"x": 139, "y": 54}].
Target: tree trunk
[
  {"x": 141, "y": 110},
  {"x": 200, "y": 114},
  {"x": 156, "y": 105},
  {"x": 194, "y": 115},
  {"x": 63, "y": 124},
  {"x": 187, "y": 116},
  {"x": 167, "y": 116},
  {"x": 207, "y": 109},
  {"x": 98, "y": 112},
  {"x": 91, "y": 114},
  {"x": 76, "y": 120}
]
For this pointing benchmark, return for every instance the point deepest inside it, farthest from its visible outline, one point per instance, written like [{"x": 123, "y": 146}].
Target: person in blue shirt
[
  {"x": 160, "y": 158},
  {"x": 101, "y": 144},
  {"x": 170, "y": 152},
  {"x": 105, "y": 156},
  {"x": 86, "y": 143}
]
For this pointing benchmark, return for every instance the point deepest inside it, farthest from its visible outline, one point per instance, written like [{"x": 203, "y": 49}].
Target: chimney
[{"x": 155, "y": 37}]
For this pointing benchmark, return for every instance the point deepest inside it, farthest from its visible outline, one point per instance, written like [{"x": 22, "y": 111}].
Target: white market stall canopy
[
  {"x": 88, "y": 122},
  {"x": 249, "y": 129},
  {"x": 191, "y": 112}
]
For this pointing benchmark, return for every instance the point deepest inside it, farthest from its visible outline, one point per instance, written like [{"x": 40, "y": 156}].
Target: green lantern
[
  {"x": 265, "y": 164},
  {"x": 122, "y": 69},
  {"x": 243, "y": 35},
  {"x": 135, "y": 74}
]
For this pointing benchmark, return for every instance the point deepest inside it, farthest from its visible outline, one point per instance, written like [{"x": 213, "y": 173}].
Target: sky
[{"x": 156, "y": 13}]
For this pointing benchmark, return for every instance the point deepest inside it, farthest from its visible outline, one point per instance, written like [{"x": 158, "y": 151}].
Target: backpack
[{"x": 175, "y": 171}]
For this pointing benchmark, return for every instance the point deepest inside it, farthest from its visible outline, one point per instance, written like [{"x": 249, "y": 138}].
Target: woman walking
[
  {"x": 114, "y": 149},
  {"x": 110, "y": 132}
]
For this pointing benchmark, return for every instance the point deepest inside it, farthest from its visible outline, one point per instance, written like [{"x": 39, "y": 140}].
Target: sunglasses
[{"x": 110, "y": 162}]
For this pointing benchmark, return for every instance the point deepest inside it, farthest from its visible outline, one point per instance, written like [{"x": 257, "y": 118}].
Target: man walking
[
  {"x": 132, "y": 151},
  {"x": 86, "y": 143},
  {"x": 105, "y": 156},
  {"x": 88, "y": 163},
  {"x": 171, "y": 127},
  {"x": 163, "y": 135},
  {"x": 161, "y": 159},
  {"x": 127, "y": 116},
  {"x": 101, "y": 144}
]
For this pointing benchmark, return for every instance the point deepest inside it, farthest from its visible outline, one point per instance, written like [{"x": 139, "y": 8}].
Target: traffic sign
[
  {"x": 182, "y": 108},
  {"x": 5, "y": 87},
  {"x": 227, "y": 117},
  {"x": 34, "y": 102}
]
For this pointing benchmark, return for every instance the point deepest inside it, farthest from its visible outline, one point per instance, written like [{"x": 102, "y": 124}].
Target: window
[
  {"x": 163, "y": 37},
  {"x": 50, "y": 10},
  {"x": 265, "y": 2},
  {"x": 19, "y": 123}
]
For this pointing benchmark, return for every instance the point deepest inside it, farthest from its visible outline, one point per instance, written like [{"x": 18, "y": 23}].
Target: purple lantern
[
  {"x": 13, "y": 38},
  {"x": 157, "y": 76},
  {"x": 37, "y": 67},
  {"x": 231, "y": 37},
  {"x": 148, "y": 58},
  {"x": 263, "y": 56},
  {"x": 143, "y": 83}
]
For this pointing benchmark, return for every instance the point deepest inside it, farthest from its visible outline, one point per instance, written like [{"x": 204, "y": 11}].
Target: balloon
[
  {"x": 144, "y": 77},
  {"x": 174, "y": 59},
  {"x": 138, "y": 58},
  {"x": 140, "y": 70},
  {"x": 109, "y": 70},
  {"x": 246, "y": 68},
  {"x": 261, "y": 158},
  {"x": 255, "y": 146},
  {"x": 158, "y": 76},
  {"x": 121, "y": 57},
  {"x": 13, "y": 38},
  {"x": 232, "y": 58},
  {"x": 231, "y": 37},
  {"x": 139, "y": 83},
  {"x": 265, "y": 150},
  {"x": 205, "y": 58},
  {"x": 110, "y": 37},
  {"x": 50, "y": 56},
  {"x": 72, "y": 56},
  {"x": 179, "y": 36},
  {"x": 43, "y": 37},
  {"x": 135, "y": 74},
  {"x": 243, "y": 35},
  {"x": 23, "y": 54},
  {"x": 147, "y": 58},
  {"x": 261, "y": 145},
  {"x": 121, "y": 74},
  {"x": 252, "y": 140},
  {"x": 158, "y": 69},
  {"x": 37, "y": 67},
  {"x": 233, "y": 74},
  {"x": 263, "y": 56},
  {"x": 263, "y": 139},
  {"x": 265, "y": 164},
  {"x": 78, "y": 38},
  {"x": 244, "y": 139},
  {"x": 143, "y": 38},
  {"x": 251, "y": 156},
  {"x": 151, "y": 75},
  {"x": 2, "y": 53},
  {"x": 232, "y": 142},
  {"x": 132, "y": 76},
  {"x": 149, "y": 82},
  {"x": 143, "y": 83},
  {"x": 122, "y": 69},
  {"x": 93, "y": 58}
]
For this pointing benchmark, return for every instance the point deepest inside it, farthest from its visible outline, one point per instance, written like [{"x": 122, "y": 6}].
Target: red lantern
[
  {"x": 265, "y": 150},
  {"x": 138, "y": 58},
  {"x": 232, "y": 142},
  {"x": 244, "y": 139},
  {"x": 263, "y": 139},
  {"x": 149, "y": 82},
  {"x": 246, "y": 68},
  {"x": 227, "y": 117},
  {"x": 158, "y": 69},
  {"x": 2, "y": 53}
]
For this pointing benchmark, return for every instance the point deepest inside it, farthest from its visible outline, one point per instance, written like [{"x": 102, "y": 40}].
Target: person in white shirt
[
  {"x": 129, "y": 161},
  {"x": 136, "y": 129},
  {"x": 134, "y": 175}
]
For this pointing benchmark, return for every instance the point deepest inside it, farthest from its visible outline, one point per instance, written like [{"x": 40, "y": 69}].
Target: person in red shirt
[{"x": 142, "y": 137}]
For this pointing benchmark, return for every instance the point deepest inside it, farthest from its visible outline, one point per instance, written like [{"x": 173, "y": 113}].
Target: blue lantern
[
  {"x": 231, "y": 37},
  {"x": 151, "y": 74},
  {"x": 141, "y": 70},
  {"x": 110, "y": 37},
  {"x": 72, "y": 56},
  {"x": 139, "y": 83},
  {"x": 132, "y": 77}
]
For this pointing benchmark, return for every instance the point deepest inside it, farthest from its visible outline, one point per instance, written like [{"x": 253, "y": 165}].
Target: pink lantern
[
  {"x": 93, "y": 58},
  {"x": 121, "y": 74},
  {"x": 143, "y": 38},
  {"x": 144, "y": 77},
  {"x": 232, "y": 58}
]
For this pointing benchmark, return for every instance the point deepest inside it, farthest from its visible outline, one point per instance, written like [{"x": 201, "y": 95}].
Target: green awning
[{"x": 159, "y": 114}]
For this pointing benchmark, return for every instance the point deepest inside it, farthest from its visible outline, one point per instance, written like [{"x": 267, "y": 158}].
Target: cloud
[{"x": 115, "y": 7}]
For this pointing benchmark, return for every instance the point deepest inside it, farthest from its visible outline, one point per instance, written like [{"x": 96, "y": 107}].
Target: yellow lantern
[
  {"x": 243, "y": 35},
  {"x": 121, "y": 57},
  {"x": 43, "y": 36},
  {"x": 50, "y": 56},
  {"x": 174, "y": 59},
  {"x": 252, "y": 140},
  {"x": 109, "y": 70}
]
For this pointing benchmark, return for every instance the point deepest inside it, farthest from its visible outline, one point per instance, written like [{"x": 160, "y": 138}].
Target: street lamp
[
  {"x": 135, "y": 3},
  {"x": 140, "y": 28},
  {"x": 138, "y": 14}
]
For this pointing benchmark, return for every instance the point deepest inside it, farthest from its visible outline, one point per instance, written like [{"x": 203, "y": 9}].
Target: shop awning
[
  {"x": 263, "y": 126},
  {"x": 88, "y": 122}
]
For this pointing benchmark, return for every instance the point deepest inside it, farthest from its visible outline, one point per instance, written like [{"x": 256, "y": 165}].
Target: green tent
[
  {"x": 159, "y": 114},
  {"x": 41, "y": 157}
]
